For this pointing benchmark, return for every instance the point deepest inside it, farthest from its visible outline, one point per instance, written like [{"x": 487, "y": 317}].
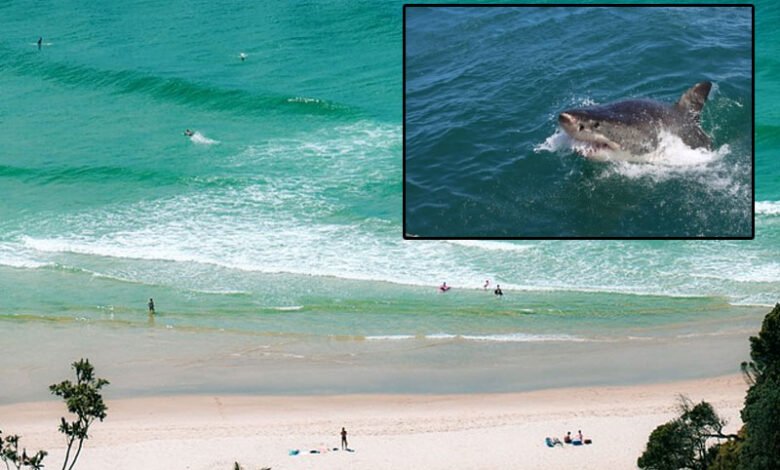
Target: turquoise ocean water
[
  {"x": 485, "y": 158},
  {"x": 276, "y": 231}
]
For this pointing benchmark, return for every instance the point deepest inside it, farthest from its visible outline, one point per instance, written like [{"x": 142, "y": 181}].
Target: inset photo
[{"x": 578, "y": 122}]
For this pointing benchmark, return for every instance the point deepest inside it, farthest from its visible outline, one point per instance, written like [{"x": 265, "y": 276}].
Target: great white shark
[{"x": 630, "y": 129}]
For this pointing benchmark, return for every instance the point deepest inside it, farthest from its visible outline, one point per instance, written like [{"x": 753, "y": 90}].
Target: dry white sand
[{"x": 472, "y": 431}]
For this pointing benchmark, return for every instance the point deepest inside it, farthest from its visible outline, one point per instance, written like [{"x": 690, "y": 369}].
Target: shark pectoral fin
[{"x": 692, "y": 101}]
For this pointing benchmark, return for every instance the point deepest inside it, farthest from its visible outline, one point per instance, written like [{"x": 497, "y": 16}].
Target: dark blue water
[{"x": 484, "y": 87}]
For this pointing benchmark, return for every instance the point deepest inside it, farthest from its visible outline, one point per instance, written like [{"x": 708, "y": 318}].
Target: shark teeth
[{"x": 588, "y": 148}]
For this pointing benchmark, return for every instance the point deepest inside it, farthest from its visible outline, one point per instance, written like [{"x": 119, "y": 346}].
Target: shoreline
[
  {"x": 479, "y": 430},
  {"x": 158, "y": 360}
]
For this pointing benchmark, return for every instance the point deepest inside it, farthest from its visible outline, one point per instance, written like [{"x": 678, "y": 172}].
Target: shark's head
[
  {"x": 632, "y": 127},
  {"x": 593, "y": 133}
]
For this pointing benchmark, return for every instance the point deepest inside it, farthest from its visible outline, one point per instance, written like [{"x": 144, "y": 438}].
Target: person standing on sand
[
  {"x": 151, "y": 306},
  {"x": 344, "y": 439}
]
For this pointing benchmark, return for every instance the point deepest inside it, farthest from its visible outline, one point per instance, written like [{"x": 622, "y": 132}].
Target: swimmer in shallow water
[
  {"x": 189, "y": 133},
  {"x": 40, "y": 41},
  {"x": 242, "y": 56}
]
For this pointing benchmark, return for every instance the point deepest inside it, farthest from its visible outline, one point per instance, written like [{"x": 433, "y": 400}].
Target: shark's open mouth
[{"x": 588, "y": 148}]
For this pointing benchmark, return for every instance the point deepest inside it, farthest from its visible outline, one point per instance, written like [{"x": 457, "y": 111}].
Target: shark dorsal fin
[{"x": 692, "y": 101}]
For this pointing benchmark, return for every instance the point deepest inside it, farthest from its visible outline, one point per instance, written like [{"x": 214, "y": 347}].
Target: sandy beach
[{"x": 476, "y": 431}]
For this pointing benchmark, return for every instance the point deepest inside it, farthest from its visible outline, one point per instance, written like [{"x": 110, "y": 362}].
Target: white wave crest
[
  {"x": 510, "y": 337},
  {"x": 768, "y": 207},
  {"x": 11, "y": 255},
  {"x": 389, "y": 337}
]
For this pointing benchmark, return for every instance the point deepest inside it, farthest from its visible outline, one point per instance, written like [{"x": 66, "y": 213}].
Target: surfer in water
[
  {"x": 40, "y": 41},
  {"x": 189, "y": 133}
]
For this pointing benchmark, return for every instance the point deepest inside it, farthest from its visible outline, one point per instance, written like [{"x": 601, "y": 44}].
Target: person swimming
[
  {"x": 40, "y": 41},
  {"x": 189, "y": 133},
  {"x": 242, "y": 56},
  {"x": 444, "y": 287}
]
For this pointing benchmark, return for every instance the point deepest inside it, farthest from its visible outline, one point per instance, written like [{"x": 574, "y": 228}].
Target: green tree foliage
[
  {"x": 683, "y": 442},
  {"x": 726, "y": 456},
  {"x": 757, "y": 446},
  {"x": 83, "y": 399},
  {"x": 668, "y": 448},
  {"x": 765, "y": 348},
  {"x": 9, "y": 454},
  {"x": 761, "y": 413}
]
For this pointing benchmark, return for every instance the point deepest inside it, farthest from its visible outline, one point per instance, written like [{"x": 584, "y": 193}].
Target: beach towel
[
  {"x": 549, "y": 442},
  {"x": 576, "y": 442},
  {"x": 588, "y": 441},
  {"x": 292, "y": 452}
]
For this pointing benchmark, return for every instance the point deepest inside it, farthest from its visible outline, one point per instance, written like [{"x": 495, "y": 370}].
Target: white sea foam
[
  {"x": 671, "y": 157},
  {"x": 325, "y": 251},
  {"x": 389, "y": 337},
  {"x": 674, "y": 159},
  {"x": 14, "y": 256},
  {"x": 440, "y": 336},
  {"x": 759, "y": 300},
  {"x": 303, "y": 99},
  {"x": 768, "y": 208},
  {"x": 198, "y": 138},
  {"x": 220, "y": 291},
  {"x": 524, "y": 338},
  {"x": 557, "y": 142},
  {"x": 768, "y": 272},
  {"x": 509, "y": 337},
  {"x": 491, "y": 245},
  {"x": 285, "y": 223}
]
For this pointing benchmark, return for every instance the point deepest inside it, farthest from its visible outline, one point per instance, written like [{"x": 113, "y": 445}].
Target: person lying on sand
[{"x": 553, "y": 441}]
